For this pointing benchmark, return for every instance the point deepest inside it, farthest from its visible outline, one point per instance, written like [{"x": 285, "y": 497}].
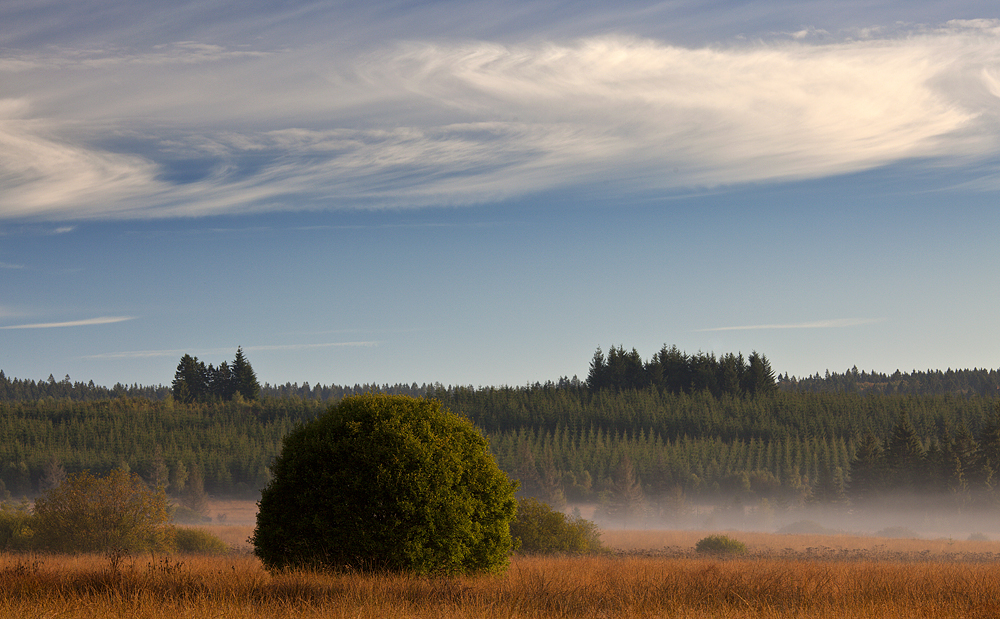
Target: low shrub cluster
[
  {"x": 94, "y": 514},
  {"x": 117, "y": 513},
  {"x": 197, "y": 541},
  {"x": 537, "y": 528},
  {"x": 16, "y": 532},
  {"x": 720, "y": 544}
]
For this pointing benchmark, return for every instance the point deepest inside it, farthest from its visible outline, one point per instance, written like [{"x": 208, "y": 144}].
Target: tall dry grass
[{"x": 624, "y": 587}]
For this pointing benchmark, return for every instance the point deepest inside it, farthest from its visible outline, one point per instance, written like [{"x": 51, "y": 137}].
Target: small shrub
[
  {"x": 537, "y": 528},
  {"x": 898, "y": 532},
  {"x": 16, "y": 527},
  {"x": 720, "y": 544},
  {"x": 101, "y": 514},
  {"x": 199, "y": 541}
]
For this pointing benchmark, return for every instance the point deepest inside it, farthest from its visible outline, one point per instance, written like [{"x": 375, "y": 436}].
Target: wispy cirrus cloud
[
  {"x": 103, "y": 320},
  {"x": 839, "y": 323},
  {"x": 197, "y": 129}
]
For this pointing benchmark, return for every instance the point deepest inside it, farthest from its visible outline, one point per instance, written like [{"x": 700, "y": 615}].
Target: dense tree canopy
[
  {"x": 194, "y": 381},
  {"x": 677, "y": 372}
]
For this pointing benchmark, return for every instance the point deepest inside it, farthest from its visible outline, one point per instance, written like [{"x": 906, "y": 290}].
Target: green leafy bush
[
  {"x": 537, "y": 528},
  {"x": 16, "y": 527},
  {"x": 388, "y": 483},
  {"x": 199, "y": 541},
  {"x": 720, "y": 544},
  {"x": 99, "y": 514}
]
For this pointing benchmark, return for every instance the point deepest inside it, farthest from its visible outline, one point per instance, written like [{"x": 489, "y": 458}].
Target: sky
[{"x": 477, "y": 193}]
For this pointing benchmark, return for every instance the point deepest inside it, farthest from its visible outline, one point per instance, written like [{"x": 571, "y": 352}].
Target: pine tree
[
  {"x": 867, "y": 470},
  {"x": 905, "y": 457},
  {"x": 597, "y": 378},
  {"x": 244, "y": 378},
  {"x": 759, "y": 377},
  {"x": 222, "y": 381},
  {"x": 190, "y": 380}
]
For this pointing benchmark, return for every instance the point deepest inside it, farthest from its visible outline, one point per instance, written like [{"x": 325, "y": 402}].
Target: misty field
[{"x": 653, "y": 574}]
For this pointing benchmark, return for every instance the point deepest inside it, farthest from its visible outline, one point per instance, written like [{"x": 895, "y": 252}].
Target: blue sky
[{"x": 471, "y": 193}]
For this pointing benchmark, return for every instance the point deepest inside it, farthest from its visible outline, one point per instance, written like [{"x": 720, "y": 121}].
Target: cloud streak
[
  {"x": 839, "y": 323},
  {"x": 104, "y": 320},
  {"x": 198, "y": 129}
]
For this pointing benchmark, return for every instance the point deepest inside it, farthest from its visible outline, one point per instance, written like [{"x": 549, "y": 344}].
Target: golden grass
[
  {"x": 237, "y": 536},
  {"x": 770, "y": 544},
  {"x": 626, "y": 587}
]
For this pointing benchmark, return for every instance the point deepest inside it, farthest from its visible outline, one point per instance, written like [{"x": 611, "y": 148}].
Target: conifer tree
[
  {"x": 867, "y": 469},
  {"x": 190, "y": 380},
  {"x": 244, "y": 377},
  {"x": 905, "y": 456}
]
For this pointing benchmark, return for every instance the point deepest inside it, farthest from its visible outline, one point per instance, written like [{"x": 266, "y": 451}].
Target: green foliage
[
  {"x": 720, "y": 544},
  {"x": 198, "y": 541},
  {"x": 16, "y": 527},
  {"x": 91, "y": 514},
  {"x": 537, "y": 528},
  {"x": 676, "y": 372},
  {"x": 194, "y": 381},
  {"x": 244, "y": 379},
  {"x": 386, "y": 483}
]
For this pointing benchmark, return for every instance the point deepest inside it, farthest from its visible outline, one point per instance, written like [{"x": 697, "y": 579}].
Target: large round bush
[{"x": 387, "y": 483}]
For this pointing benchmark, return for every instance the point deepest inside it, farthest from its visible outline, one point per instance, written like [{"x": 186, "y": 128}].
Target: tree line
[
  {"x": 647, "y": 431},
  {"x": 678, "y": 372},
  {"x": 983, "y": 382},
  {"x": 669, "y": 369},
  {"x": 559, "y": 441}
]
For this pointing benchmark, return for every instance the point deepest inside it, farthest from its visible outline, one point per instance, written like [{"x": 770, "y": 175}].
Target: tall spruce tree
[
  {"x": 190, "y": 380},
  {"x": 867, "y": 470},
  {"x": 905, "y": 456},
  {"x": 244, "y": 378}
]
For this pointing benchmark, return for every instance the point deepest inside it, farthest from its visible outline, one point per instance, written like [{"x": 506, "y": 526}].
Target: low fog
[{"x": 898, "y": 516}]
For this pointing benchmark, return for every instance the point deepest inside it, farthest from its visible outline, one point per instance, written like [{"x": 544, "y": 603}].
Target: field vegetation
[{"x": 652, "y": 574}]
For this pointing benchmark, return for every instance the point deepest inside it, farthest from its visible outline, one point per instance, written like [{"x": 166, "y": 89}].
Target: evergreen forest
[{"x": 635, "y": 435}]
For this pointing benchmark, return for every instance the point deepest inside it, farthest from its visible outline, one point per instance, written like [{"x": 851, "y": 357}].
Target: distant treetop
[
  {"x": 677, "y": 372},
  {"x": 196, "y": 382}
]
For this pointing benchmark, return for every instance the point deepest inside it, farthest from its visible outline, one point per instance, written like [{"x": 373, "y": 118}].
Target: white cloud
[
  {"x": 838, "y": 323},
  {"x": 104, "y": 320},
  {"x": 196, "y": 129}
]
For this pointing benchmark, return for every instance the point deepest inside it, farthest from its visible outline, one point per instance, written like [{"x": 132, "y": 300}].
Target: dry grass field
[{"x": 653, "y": 574}]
